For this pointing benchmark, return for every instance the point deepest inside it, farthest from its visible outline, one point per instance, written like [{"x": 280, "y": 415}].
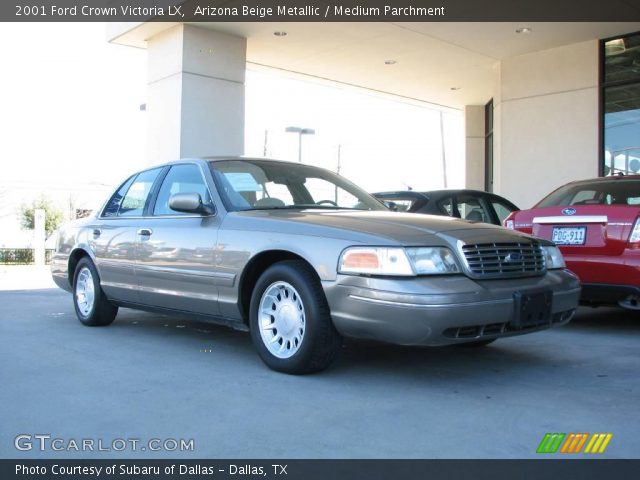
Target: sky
[{"x": 72, "y": 127}]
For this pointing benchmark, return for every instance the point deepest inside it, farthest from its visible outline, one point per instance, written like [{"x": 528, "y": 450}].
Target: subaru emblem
[{"x": 569, "y": 211}]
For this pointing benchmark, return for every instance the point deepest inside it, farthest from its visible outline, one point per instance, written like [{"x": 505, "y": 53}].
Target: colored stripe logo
[
  {"x": 598, "y": 443},
  {"x": 574, "y": 443}
]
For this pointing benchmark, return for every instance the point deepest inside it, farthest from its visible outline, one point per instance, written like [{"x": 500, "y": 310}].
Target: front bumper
[{"x": 443, "y": 310}]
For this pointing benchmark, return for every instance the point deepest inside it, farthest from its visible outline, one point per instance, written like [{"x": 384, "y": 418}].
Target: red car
[{"x": 596, "y": 224}]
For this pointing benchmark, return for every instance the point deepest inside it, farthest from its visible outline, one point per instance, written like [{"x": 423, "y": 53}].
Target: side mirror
[{"x": 189, "y": 203}]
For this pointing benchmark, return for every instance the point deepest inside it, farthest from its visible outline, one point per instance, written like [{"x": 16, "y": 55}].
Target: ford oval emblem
[
  {"x": 569, "y": 211},
  {"x": 513, "y": 257}
]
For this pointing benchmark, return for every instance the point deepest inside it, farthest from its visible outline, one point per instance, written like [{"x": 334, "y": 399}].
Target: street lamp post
[{"x": 300, "y": 131}]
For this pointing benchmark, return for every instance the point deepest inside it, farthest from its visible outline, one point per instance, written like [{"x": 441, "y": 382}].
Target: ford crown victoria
[{"x": 301, "y": 258}]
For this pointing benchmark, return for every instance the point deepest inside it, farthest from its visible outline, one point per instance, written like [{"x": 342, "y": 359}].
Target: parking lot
[{"x": 151, "y": 376}]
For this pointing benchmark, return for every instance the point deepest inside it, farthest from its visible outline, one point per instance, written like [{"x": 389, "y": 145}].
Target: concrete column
[
  {"x": 195, "y": 103},
  {"x": 474, "y": 146}
]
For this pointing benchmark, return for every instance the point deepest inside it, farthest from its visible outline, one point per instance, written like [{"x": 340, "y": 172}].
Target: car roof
[
  {"x": 408, "y": 193},
  {"x": 428, "y": 193},
  {"x": 435, "y": 195},
  {"x": 605, "y": 179},
  {"x": 222, "y": 158}
]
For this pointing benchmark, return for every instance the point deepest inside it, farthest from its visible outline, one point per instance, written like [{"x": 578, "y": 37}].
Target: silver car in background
[{"x": 301, "y": 257}]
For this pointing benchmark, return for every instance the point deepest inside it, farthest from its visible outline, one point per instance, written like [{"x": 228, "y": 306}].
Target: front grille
[
  {"x": 498, "y": 260},
  {"x": 505, "y": 328}
]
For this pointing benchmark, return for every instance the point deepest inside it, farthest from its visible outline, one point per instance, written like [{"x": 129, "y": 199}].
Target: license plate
[
  {"x": 532, "y": 309},
  {"x": 568, "y": 235}
]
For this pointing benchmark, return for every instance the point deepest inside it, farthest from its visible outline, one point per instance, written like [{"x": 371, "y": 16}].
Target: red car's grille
[{"x": 499, "y": 260}]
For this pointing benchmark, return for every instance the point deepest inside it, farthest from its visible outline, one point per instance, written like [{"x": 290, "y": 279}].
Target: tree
[{"x": 53, "y": 216}]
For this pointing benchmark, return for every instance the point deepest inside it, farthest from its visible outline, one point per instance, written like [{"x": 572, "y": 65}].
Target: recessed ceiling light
[
  {"x": 390, "y": 62},
  {"x": 280, "y": 34},
  {"x": 523, "y": 30},
  {"x": 455, "y": 88}
]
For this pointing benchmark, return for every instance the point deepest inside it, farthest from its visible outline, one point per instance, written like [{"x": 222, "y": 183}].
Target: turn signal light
[{"x": 362, "y": 259}]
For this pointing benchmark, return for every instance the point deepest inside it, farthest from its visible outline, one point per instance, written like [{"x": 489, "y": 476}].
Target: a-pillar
[{"x": 195, "y": 102}]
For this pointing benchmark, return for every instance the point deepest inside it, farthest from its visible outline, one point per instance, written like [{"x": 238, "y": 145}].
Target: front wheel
[
  {"x": 92, "y": 306},
  {"x": 290, "y": 322}
]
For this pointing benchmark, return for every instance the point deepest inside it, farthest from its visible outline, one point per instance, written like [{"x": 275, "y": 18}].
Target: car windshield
[
  {"x": 601, "y": 192},
  {"x": 270, "y": 185}
]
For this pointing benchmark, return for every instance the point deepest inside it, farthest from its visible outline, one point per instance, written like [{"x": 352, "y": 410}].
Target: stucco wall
[{"x": 547, "y": 121}]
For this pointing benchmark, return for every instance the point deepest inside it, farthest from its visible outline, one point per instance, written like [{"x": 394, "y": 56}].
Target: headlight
[
  {"x": 553, "y": 258},
  {"x": 432, "y": 260},
  {"x": 375, "y": 261},
  {"x": 397, "y": 261}
]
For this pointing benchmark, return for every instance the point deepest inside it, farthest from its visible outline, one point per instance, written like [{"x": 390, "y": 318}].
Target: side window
[
  {"x": 446, "y": 206},
  {"x": 403, "y": 204},
  {"x": 133, "y": 202},
  {"x": 502, "y": 210},
  {"x": 180, "y": 179},
  {"x": 113, "y": 205},
  {"x": 471, "y": 209}
]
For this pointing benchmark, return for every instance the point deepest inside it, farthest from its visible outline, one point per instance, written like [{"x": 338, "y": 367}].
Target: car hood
[{"x": 372, "y": 226}]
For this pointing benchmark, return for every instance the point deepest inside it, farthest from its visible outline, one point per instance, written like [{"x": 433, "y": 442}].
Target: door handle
[
  {"x": 145, "y": 232},
  {"x": 96, "y": 232}
]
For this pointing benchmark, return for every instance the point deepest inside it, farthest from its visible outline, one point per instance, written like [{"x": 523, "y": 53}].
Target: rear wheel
[
  {"x": 291, "y": 325},
  {"x": 92, "y": 306}
]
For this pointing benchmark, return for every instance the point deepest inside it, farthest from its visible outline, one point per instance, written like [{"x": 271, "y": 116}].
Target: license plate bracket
[
  {"x": 569, "y": 235},
  {"x": 532, "y": 309}
]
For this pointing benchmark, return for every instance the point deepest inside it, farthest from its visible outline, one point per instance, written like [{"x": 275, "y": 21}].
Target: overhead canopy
[{"x": 449, "y": 64}]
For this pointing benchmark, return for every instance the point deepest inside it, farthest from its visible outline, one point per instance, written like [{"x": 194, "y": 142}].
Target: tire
[
  {"x": 91, "y": 304},
  {"x": 307, "y": 340}
]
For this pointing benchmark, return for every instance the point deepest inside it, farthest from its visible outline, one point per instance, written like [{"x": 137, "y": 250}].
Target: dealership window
[{"x": 621, "y": 105}]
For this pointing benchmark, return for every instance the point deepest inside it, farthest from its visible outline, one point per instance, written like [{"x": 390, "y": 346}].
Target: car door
[
  {"x": 175, "y": 265},
  {"x": 113, "y": 236}
]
